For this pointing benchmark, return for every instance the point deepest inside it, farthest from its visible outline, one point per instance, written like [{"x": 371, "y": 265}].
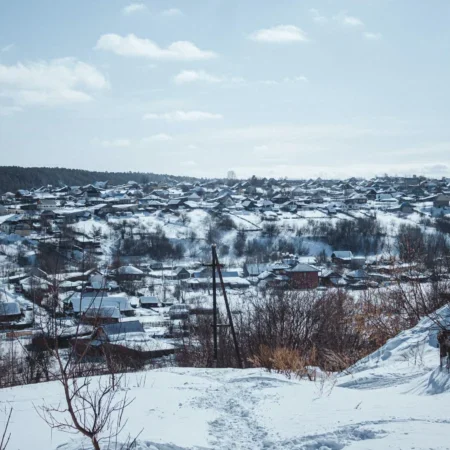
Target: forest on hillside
[{"x": 13, "y": 178}]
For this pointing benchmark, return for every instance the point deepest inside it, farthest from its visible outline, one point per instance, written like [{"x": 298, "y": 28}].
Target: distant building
[
  {"x": 342, "y": 257},
  {"x": 9, "y": 311},
  {"x": 441, "y": 201},
  {"x": 128, "y": 273},
  {"x": 303, "y": 276},
  {"x": 149, "y": 301}
]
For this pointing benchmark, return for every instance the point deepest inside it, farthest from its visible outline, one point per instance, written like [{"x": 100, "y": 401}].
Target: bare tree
[
  {"x": 90, "y": 408},
  {"x": 6, "y": 436}
]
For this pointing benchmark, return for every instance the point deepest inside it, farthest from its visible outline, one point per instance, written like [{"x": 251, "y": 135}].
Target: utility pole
[
  {"x": 213, "y": 254},
  {"x": 227, "y": 305},
  {"x": 215, "y": 265}
]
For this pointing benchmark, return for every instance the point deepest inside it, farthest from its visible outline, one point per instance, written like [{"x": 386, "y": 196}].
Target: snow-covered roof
[
  {"x": 341, "y": 254},
  {"x": 9, "y": 309},
  {"x": 357, "y": 274},
  {"x": 304, "y": 268},
  {"x": 129, "y": 270},
  {"x": 111, "y": 312},
  {"x": 82, "y": 304},
  {"x": 148, "y": 300}
]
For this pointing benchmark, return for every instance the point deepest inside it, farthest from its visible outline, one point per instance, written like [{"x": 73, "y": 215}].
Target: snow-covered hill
[
  {"x": 383, "y": 403},
  {"x": 410, "y": 360}
]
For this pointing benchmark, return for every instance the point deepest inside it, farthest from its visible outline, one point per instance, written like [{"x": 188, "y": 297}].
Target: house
[
  {"x": 329, "y": 278},
  {"x": 91, "y": 191},
  {"x": 415, "y": 276},
  {"x": 33, "y": 283},
  {"x": 289, "y": 206},
  {"x": 371, "y": 194},
  {"x": 271, "y": 279},
  {"x": 179, "y": 312},
  {"x": 356, "y": 199},
  {"x": 48, "y": 214},
  {"x": 149, "y": 301},
  {"x": 229, "y": 282},
  {"x": 22, "y": 229},
  {"x": 303, "y": 276},
  {"x": 129, "y": 273},
  {"x": 385, "y": 197},
  {"x": 47, "y": 202},
  {"x": 17, "y": 224},
  {"x": 81, "y": 303},
  {"x": 357, "y": 275},
  {"x": 249, "y": 205},
  {"x": 224, "y": 200},
  {"x": 101, "y": 315},
  {"x": 194, "y": 197},
  {"x": 441, "y": 201},
  {"x": 266, "y": 205},
  {"x": 206, "y": 272},
  {"x": 317, "y": 198},
  {"x": 253, "y": 270},
  {"x": 98, "y": 281},
  {"x": 406, "y": 208},
  {"x": 124, "y": 343},
  {"x": 342, "y": 257},
  {"x": 176, "y": 203},
  {"x": 10, "y": 311},
  {"x": 180, "y": 273}
]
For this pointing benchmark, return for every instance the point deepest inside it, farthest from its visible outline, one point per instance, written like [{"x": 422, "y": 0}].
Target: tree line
[{"x": 13, "y": 178}]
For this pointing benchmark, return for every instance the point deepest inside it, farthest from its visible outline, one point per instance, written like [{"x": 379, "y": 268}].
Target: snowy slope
[
  {"x": 230, "y": 409},
  {"x": 382, "y": 403},
  {"x": 408, "y": 359}
]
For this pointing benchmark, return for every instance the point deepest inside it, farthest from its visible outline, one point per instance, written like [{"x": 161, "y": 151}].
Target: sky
[{"x": 286, "y": 88}]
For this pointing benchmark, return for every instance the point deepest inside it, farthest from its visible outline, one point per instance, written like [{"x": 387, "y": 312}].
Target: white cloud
[
  {"x": 115, "y": 143},
  {"x": 298, "y": 79},
  {"x": 134, "y": 8},
  {"x": 317, "y": 17},
  {"x": 51, "y": 83},
  {"x": 280, "y": 34},
  {"x": 6, "y": 48},
  {"x": 132, "y": 45},
  {"x": 181, "y": 116},
  {"x": 372, "y": 36},
  {"x": 161, "y": 137},
  {"x": 171, "y": 12},
  {"x": 349, "y": 21},
  {"x": 192, "y": 76},
  {"x": 295, "y": 79}
]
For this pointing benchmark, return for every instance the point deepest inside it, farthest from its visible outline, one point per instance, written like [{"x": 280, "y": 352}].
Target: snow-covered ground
[{"x": 395, "y": 398}]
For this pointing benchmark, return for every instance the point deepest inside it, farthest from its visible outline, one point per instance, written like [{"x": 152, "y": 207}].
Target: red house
[{"x": 304, "y": 276}]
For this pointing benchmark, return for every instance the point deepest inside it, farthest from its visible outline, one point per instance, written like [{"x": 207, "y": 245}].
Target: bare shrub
[{"x": 285, "y": 361}]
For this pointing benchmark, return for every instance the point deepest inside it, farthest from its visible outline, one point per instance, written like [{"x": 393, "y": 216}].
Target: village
[{"x": 128, "y": 266}]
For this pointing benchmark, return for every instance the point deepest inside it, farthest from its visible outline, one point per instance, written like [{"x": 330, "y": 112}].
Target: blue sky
[{"x": 273, "y": 88}]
